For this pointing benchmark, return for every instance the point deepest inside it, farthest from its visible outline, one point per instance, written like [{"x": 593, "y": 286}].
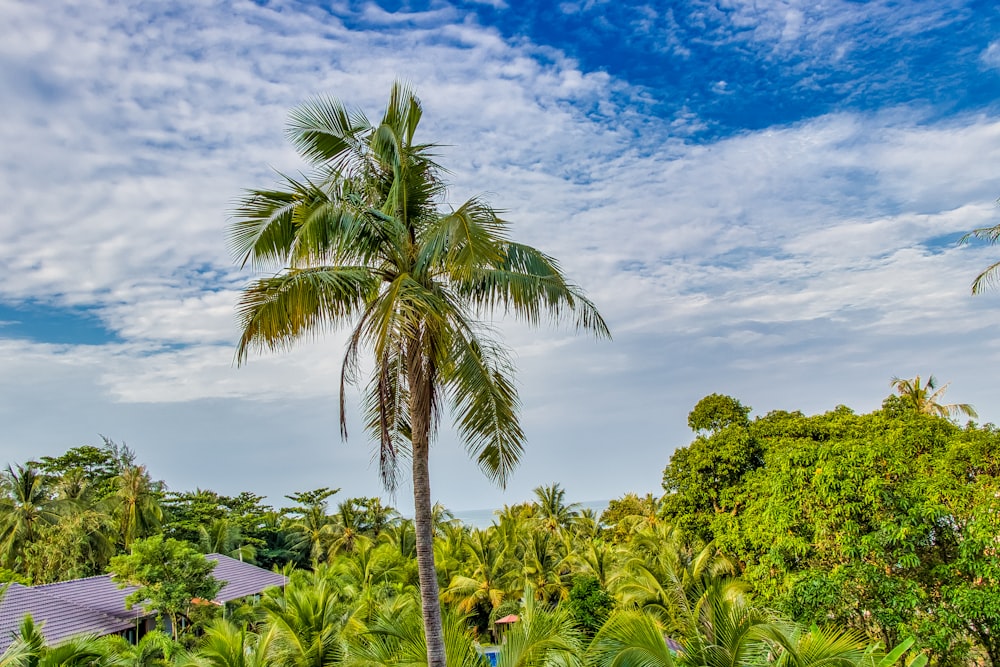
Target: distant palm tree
[
  {"x": 223, "y": 536},
  {"x": 553, "y": 511},
  {"x": 135, "y": 504},
  {"x": 25, "y": 506},
  {"x": 925, "y": 399}
]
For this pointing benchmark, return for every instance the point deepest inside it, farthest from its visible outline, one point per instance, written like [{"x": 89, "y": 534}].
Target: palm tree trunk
[{"x": 420, "y": 418}]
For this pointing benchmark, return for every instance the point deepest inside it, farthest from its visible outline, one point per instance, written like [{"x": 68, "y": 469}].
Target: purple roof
[
  {"x": 96, "y": 605},
  {"x": 242, "y": 579},
  {"x": 59, "y": 619},
  {"x": 97, "y": 593}
]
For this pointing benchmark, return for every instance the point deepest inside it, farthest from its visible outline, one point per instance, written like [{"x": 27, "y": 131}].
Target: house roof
[
  {"x": 59, "y": 619},
  {"x": 242, "y": 579},
  {"x": 98, "y": 593},
  {"x": 97, "y": 605}
]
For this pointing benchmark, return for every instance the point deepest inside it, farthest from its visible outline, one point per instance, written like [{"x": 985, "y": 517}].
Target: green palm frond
[
  {"x": 325, "y": 132},
  {"x": 274, "y": 312},
  {"x": 530, "y": 285},
  {"x": 484, "y": 399},
  {"x": 630, "y": 639},
  {"x": 990, "y": 276}
]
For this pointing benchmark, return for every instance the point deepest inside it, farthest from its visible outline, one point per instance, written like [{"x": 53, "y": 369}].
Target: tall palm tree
[
  {"x": 364, "y": 242},
  {"x": 926, "y": 397}
]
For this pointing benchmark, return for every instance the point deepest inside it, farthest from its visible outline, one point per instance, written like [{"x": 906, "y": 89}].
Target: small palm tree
[
  {"x": 154, "y": 649},
  {"x": 226, "y": 644},
  {"x": 926, "y": 397},
  {"x": 307, "y": 618}
]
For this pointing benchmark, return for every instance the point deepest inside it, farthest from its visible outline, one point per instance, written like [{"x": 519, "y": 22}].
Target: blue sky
[{"x": 762, "y": 197}]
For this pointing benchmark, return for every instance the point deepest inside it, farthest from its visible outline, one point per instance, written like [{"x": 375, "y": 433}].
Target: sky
[{"x": 764, "y": 199}]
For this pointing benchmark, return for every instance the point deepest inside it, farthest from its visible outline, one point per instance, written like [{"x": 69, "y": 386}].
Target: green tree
[
  {"x": 135, "y": 504},
  {"x": 703, "y": 478},
  {"x": 717, "y": 411},
  {"x": 364, "y": 241},
  {"x": 25, "y": 507},
  {"x": 589, "y": 604},
  {"x": 226, "y": 644},
  {"x": 307, "y": 618},
  {"x": 553, "y": 512},
  {"x": 169, "y": 574}
]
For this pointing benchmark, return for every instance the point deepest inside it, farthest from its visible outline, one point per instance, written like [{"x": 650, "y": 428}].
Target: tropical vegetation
[{"x": 781, "y": 539}]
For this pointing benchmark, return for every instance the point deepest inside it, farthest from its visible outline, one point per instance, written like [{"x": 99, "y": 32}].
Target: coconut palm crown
[
  {"x": 926, "y": 398},
  {"x": 364, "y": 242}
]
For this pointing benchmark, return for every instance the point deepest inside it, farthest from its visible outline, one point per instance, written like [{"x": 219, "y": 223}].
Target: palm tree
[
  {"x": 135, "y": 504},
  {"x": 395, "y": 637},
  {"x": 541, "y": 637},
  {"x": 223, "y": 536},
  {"x": 307, "y": 618},
  {"x": 925, "y": 399},
  {"x": 553, "y": 512},
  {"x": 364, "y": 242},
  {"x": 226, "y": 644},
  {"x": 485, "y": 582},
  {"x": 991, "y": 273},
  {"x": 25, "y": 507},
  {"x": 155, "y": 649}
]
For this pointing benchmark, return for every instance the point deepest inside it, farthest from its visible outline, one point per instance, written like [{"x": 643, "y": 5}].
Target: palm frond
[
  {"x": 629, "y": 639},
  {"x": 484, "y": 400},
  {"x": 324, "y": 131},
  {"x": 529, "y": 284},
  {"x": 274, "y": 312}
]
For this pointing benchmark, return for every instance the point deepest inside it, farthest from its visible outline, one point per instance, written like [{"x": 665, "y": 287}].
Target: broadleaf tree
[
  {"x": 170, "y": 576},
  {"x": 365, "y": 242}
]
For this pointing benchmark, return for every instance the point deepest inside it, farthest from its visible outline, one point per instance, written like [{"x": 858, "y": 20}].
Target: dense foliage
[{"x": 784, "y": 539}]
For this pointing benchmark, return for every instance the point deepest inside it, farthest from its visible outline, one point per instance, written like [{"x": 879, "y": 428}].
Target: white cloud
[
  {"x": 991, "y": 55},
  {"x": 752, "y": 266}
]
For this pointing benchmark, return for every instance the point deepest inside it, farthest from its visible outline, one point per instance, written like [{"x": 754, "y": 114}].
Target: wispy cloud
[{"x": 751, "y": 264}]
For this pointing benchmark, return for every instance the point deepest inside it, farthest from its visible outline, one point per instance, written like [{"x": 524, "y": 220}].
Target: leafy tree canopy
[{"x": 170, "y": 576}]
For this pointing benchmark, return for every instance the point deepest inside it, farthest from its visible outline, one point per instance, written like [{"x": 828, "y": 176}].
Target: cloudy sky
[{"x": 763, "y": 197}]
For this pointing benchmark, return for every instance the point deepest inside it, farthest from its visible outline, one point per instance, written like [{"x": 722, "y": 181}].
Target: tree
[
  {"x": 135, "y": 502},
  {"x": 716, "y": 411},
  {"x": 25, "y": 507},
  {"x": 364, "y": 242},
  {"x": 553, "y": 512},
  {"x": 169, "y": 574},
  {"x": 589, "y": 604},
  {"x": 925, "y": 399}
]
